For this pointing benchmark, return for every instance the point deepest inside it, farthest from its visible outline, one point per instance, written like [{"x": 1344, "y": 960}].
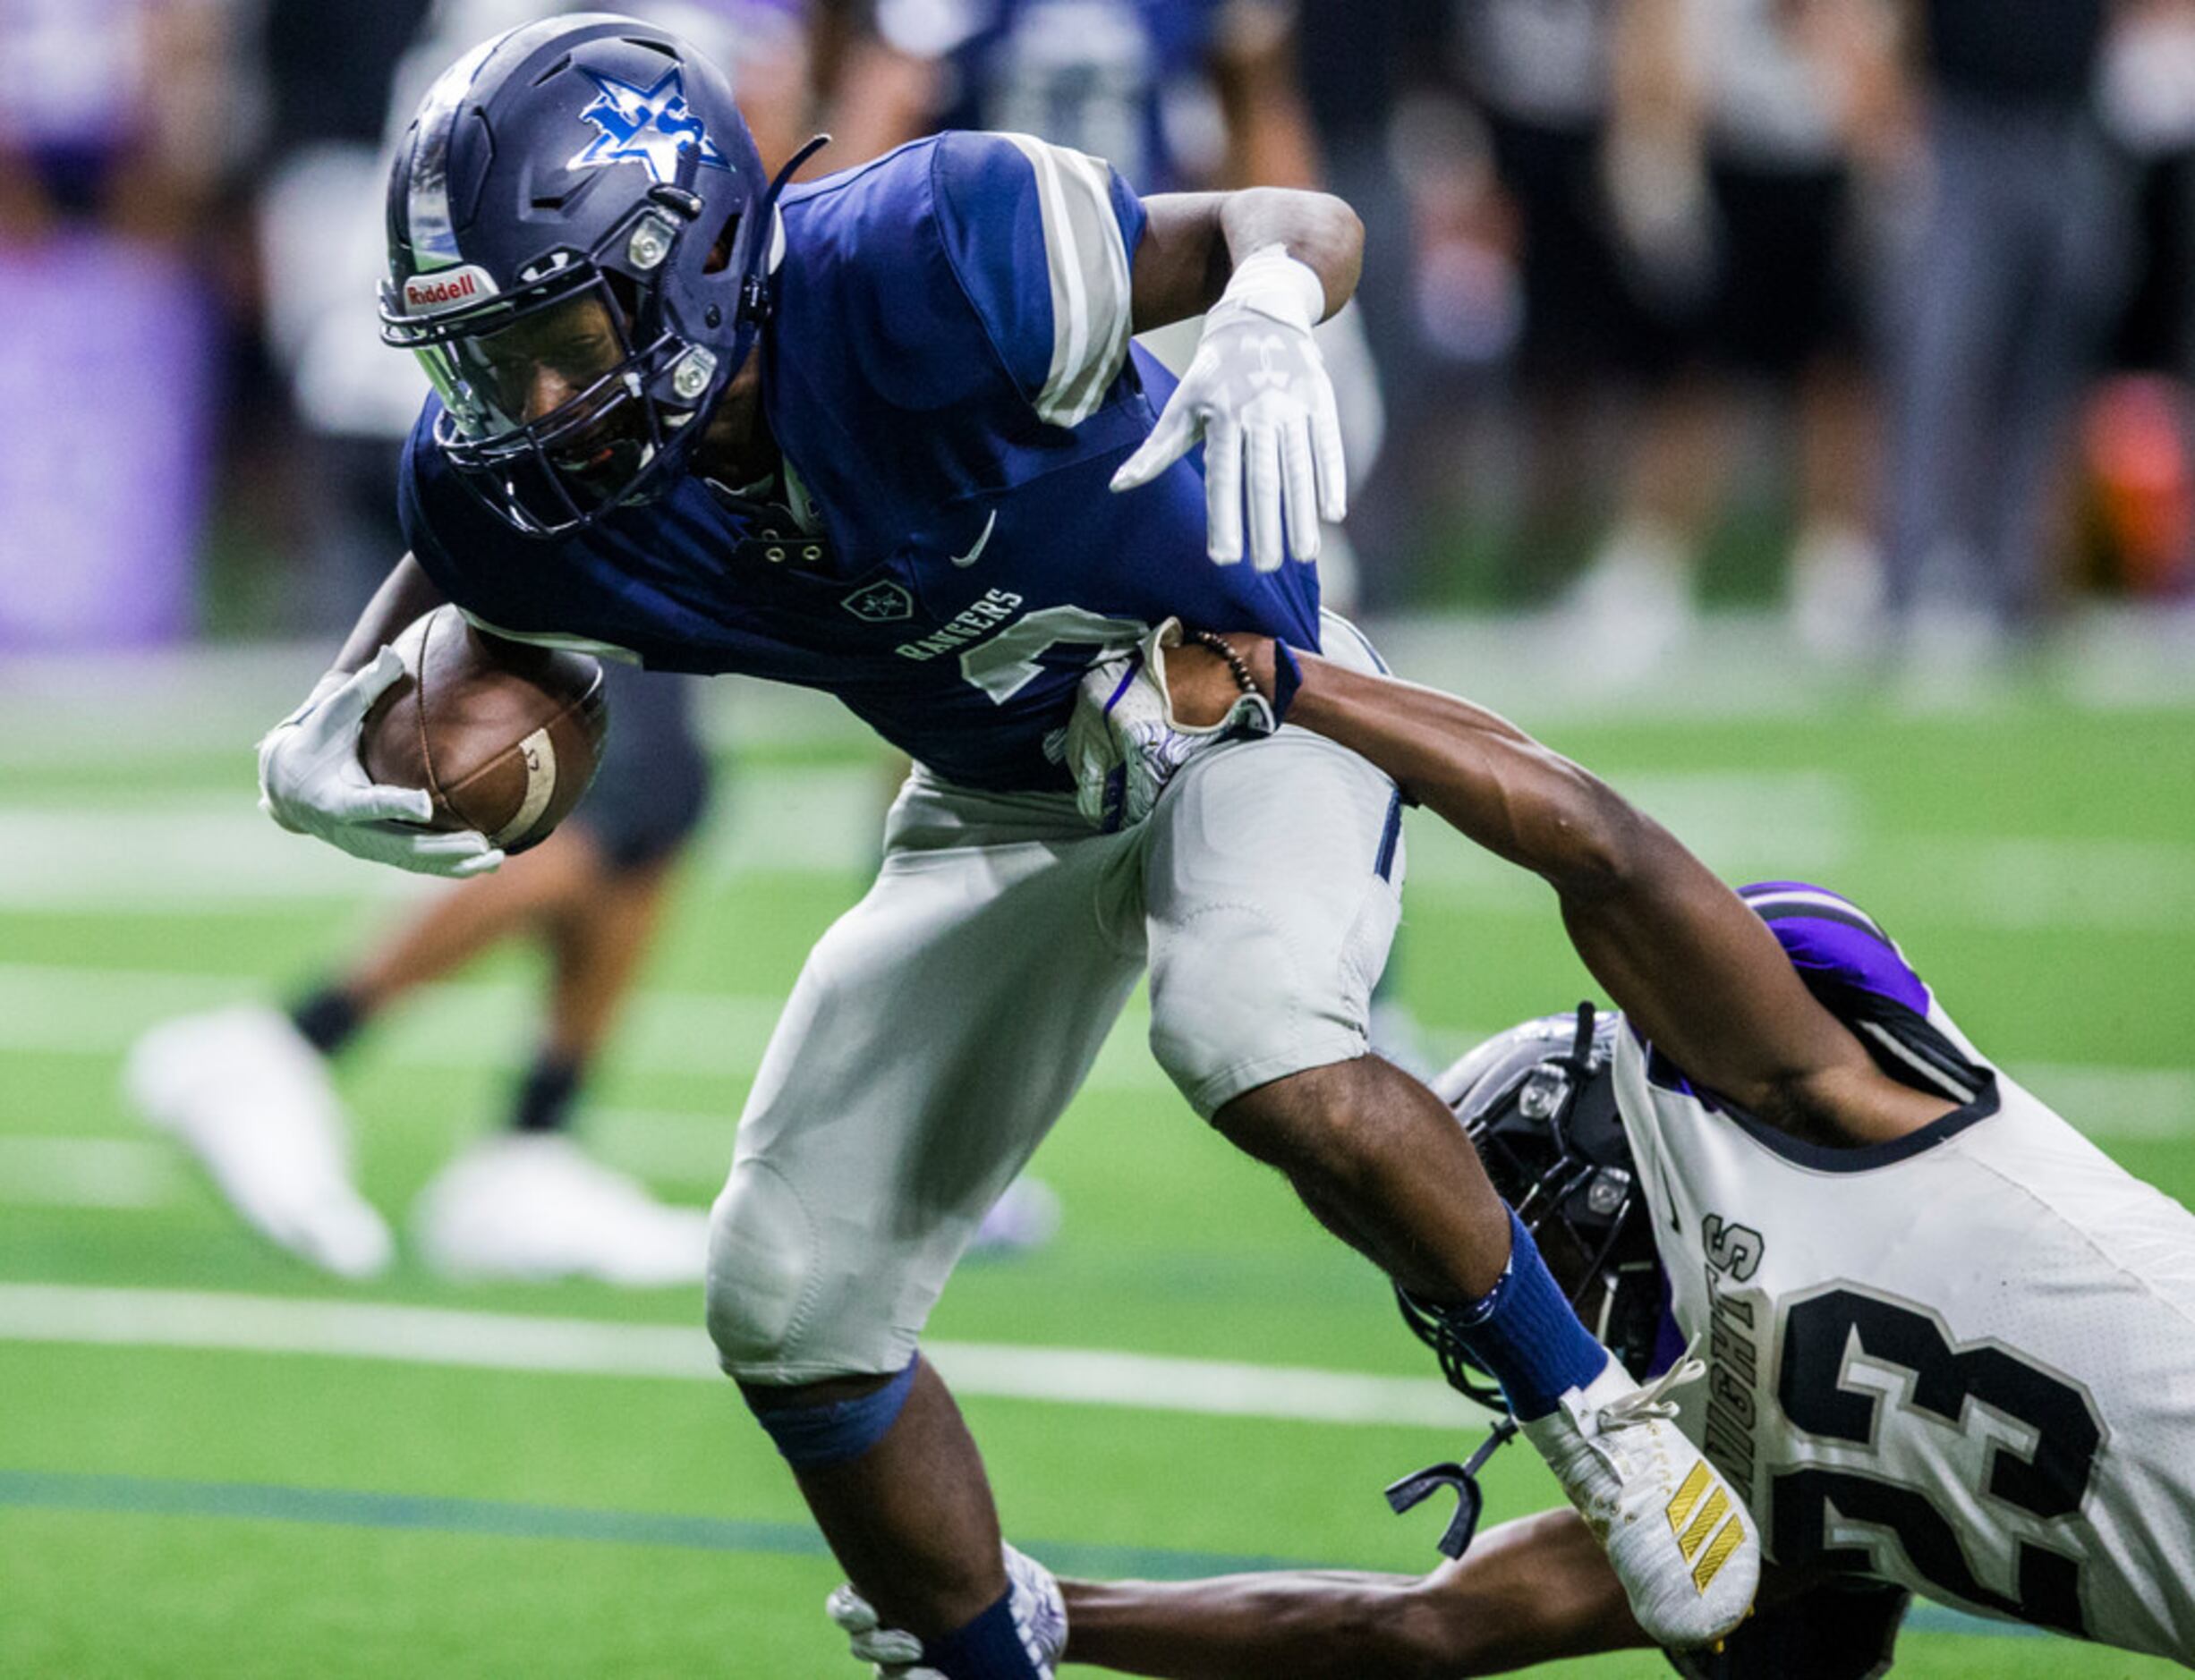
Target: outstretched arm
[
  {"x": 1530, "y": 1591},
  {"x": 1679, "y": 953}
]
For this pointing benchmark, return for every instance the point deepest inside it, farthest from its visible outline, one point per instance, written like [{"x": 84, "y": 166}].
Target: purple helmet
[{"x": 579, "y": 237}]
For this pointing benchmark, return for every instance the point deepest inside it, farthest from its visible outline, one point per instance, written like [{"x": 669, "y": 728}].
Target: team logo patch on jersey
[
  {"x": 879, "y": 603},
  {"x": 649, "y": 126}
]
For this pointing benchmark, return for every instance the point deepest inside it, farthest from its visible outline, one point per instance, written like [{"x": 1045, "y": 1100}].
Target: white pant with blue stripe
[{"x": 942, "y": 1024}]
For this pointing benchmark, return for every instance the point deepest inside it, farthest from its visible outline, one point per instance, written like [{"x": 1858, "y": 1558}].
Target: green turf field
[{"x": 214, "y": 1462}]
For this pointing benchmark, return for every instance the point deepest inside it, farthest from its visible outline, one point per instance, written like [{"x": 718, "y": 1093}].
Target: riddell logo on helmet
[{"x": 448, "y": 289}]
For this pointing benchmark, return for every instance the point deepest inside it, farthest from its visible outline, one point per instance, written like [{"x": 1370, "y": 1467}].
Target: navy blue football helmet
[{"x": 580, "y": 238}]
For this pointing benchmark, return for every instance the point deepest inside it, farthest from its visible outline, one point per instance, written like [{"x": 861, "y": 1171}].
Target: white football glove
[
  {"x": 1040, "y": 1616},
  {"x": 1124, "y": 743},
  {"x": 311, "y": 782},
  {"x": 1258, "y": 394}
]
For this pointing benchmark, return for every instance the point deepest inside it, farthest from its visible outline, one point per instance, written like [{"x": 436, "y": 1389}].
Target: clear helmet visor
[
  {"x": 555, "y": 395},
  {"x": 532, "y": 367}
]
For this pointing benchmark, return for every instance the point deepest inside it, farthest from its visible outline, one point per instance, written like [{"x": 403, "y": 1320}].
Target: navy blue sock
[
  {"x": 328, "y": 1020},
  {"x": 989, "y": 1648},
  {"x": 1524, "y": 1332}
]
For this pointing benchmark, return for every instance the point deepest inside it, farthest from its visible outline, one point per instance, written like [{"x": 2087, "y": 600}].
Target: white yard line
[
  {"x": 2116, "y": 1102},
  {"x": 213, "y": 850},
  {"x": 102, "y": 1172},
  {"x": 57, "y": 1009},
  {"x": 434, "y": 1336},
  {"x": 209, "y": 851}
]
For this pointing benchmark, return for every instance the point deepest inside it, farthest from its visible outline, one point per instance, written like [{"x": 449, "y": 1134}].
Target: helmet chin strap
[{"x": 755, "y": 299}]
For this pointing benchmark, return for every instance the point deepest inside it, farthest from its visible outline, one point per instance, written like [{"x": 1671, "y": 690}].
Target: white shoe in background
[
  {"x": 1630, "y": 614},
  {"x": 244, "y": 1093},
  {"x": 1837, "y": 595},
  {"x": 534, "y": 1206}
]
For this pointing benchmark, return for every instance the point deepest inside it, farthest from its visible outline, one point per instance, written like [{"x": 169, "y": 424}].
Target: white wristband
[{"x": 1276, "y": 284}]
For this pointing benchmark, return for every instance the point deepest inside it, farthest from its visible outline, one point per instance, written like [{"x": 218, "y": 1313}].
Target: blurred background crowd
[{"x": 1879, "y": 313}]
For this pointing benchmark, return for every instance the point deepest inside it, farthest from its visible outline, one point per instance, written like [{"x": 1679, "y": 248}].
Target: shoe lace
[{"x": 1651, "y": 1402}]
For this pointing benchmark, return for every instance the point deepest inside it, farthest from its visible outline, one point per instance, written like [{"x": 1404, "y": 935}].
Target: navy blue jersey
[
  {"x": 1113, "y": 78},
  {"x": 950, "y": 376}
]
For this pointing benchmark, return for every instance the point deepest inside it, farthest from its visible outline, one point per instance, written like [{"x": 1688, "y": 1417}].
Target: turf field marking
[
  {"x": 443, "y": 1336},
  {"x": 58, "y": 1009},
  {"x": 2116, "y": 1102},
  {"x": 342, "y": 1507},
  {"x": 71, "y": 1172},
  {"x": 217, "y": 849},
  {"x": 822, "y": 821},
  {"x": 218, "y": 699}
]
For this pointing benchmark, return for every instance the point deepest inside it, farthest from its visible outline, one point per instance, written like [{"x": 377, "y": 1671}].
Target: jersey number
[
  {"x": 2050, "y": 1481},
  {"x": 1007, "y": 663}
]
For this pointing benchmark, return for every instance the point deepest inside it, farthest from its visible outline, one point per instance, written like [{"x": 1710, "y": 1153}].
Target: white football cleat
[
  {"x": 1040, "y": 1615},
  {"x": 244, "y": 1093},
  {"x": 1679, "y": 1537},
  {"x": 533, "y": 1207}
]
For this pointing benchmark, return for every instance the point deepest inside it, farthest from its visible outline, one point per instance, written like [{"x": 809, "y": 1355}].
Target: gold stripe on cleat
[
  {"x": 1711, "y": 1563},
  {"x": 1694, "y": 1536},
  {"x": 1689, "y": 1495}
]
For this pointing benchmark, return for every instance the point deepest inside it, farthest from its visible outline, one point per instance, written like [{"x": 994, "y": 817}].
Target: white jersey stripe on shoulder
[
  {"x": 1928, "y": 1070},
  {"x": 1086, "y": 262},
  {"x": 1070, "y": 295},
  {"x": 1110, "y": 291}
]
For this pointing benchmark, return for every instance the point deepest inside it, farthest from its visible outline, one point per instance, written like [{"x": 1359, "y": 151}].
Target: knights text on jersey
[
  {"x": 1963, "y": 1361},
  {"x": 950, "y": 378}
]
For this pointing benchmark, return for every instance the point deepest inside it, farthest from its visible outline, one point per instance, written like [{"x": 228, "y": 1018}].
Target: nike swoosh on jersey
[{"x": 982, "y": 542}]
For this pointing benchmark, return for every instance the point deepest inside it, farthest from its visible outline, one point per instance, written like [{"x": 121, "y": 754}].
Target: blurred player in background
[
  {"x": 2014, "y": 261},
  {"x": 248, "y": 1089},
  {"x": 117, "y": 126},
  {"x": 1174, "y": 94},
  {"x": 1730, "y": 194},
  {"x": 1949, "y": 1337},
  {"x": 1540, "y": 72}
]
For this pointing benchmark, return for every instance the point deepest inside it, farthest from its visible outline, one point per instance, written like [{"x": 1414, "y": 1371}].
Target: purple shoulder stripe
[{"x": 1829, "y": 937}]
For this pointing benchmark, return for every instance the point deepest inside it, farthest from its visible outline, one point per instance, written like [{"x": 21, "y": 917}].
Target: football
[{"x": 505, "y": 736}]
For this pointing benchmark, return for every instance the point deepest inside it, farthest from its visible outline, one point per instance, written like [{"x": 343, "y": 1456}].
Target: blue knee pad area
[{"x": 817, "y": 1436}]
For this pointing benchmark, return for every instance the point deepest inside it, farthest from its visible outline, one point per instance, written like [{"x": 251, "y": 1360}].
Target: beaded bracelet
[{"x": 1218, "y": 644}]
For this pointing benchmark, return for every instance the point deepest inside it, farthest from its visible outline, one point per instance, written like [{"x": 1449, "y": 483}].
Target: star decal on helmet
[{"x": 650, "y": 126}]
